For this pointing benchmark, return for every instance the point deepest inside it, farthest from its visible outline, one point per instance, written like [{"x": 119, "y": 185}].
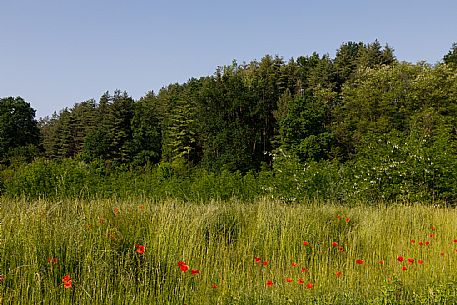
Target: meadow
[{"x": 225, "y": 252}]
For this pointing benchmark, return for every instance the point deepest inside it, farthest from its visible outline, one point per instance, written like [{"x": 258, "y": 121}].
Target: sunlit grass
[{"x": 94, "y": 243}]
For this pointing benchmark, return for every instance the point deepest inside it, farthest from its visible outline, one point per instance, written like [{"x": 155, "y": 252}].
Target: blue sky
[{"x": 55, "y": 53}]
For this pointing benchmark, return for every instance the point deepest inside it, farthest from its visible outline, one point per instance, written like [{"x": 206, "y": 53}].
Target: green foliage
[
  {"x": 451, "y": 57},
  {"x": 18, "y": 129}
]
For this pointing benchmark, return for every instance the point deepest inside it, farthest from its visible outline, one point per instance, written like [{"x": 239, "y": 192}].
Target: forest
[{"x": 362, "y": 126}]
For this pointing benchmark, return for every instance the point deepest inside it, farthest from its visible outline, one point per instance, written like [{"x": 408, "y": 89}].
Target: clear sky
[{"x": 55, "y": 53}]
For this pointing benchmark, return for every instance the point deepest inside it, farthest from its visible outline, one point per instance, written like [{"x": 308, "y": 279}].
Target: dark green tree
[
  {"x": 18, "y": 127},
  {"x": 451, "y": 57}
]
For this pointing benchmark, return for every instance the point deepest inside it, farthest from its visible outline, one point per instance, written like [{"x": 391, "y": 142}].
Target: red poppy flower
[
  {"x": 455, "y": 240},
  {"x": 300, "y": 281},
  {"x": 432, "y": 235},
  {"x": 265, "y": 263},
  {"x": 66, "y": 278},
  {"x": 433, "y": 228},
  {"x": 67, "y": 284},
  {"x": 294, "y": 264},
  {"x": 305, "y": 243},
  {"x": 403, "y": 268},
  {"x": 338, "y": 273},
  {"x": 215, "y": 286},
  {"x": 304, "y": 270},
  {"x": 421, "y": 243},
  {"x": 139, "y": 249},
  {"x": 289, "y": 280},
  {"x": 52, "y": 260},
  {"x": 339, "y": 217},
  {"x": 413, "y": 241},
  {"x": 410, "y": 260},
  {"x": 195, "y": 271},
  {"x": 257, "y": 259},
  {"x": 184, "y": 267},
  {"x": 442, "y": 253},
  {"x": 400, "y": 259},
  {"x": 334, "y": 244},
  {"x": 381, "y": 262},
  {"x": 310, "y": 285},
  {"x": 348, "y": 220},
  {"x": 269, "y": 283},
  {"x": 180, "y": 263},
  {"x": 359, "y": 261},
  {"x": 420, "y": 262},
  {"x": 427, "y": 243}
]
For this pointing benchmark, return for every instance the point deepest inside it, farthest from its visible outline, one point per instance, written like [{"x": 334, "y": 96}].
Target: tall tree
[
  {"x": 451, "y": 57},
  {"x": 18, "y": 127}
]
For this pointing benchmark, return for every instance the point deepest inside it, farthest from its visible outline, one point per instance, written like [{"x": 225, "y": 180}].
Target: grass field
[{"x": 143, "y": 252}]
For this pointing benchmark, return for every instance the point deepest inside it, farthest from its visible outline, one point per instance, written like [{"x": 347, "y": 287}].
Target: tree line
[{"x": 361, "y": 106}]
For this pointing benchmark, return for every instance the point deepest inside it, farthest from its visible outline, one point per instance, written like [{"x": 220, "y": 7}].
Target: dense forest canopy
[{"x": 392, "y": 123}]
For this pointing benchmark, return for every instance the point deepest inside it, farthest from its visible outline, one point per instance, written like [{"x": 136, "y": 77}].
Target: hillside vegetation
[{"x": 362, "y": 126}]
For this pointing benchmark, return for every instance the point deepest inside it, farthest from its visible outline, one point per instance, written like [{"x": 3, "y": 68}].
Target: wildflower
[
  {"x": 67, "y": 281},
  {"x": 300, "y": 281},
  {"x": 427, "y": 243},
  {"x": 215, "y": 286},
  {"x": 269, "y": 283},
  {"x": 257, "y": 259},
  {"x": 403, "y": 268},
  {"x": 116, "y": 211},
  {"x": 334, "y": 244},
  {"x": 289, "y": 280},
  {"x": 400, "y": 259},
  {"x": 433, "y": 228},
  {"x": 294, "y": 264},
  {"x": 305, "y": 243},
  {"x": 420, "y": 262},
  {"x": 442, "y": 253},
  {"x": 304, "y": 270},
  {"x": 455, "y": 240},
  {"x": 310, "y": 285},
  {"x": 339, "y": 217},
  {"x": 67, "y": 284},
  {"x": 141, "y": 206},
  {"x": 381, "y": 262},
  {"x": 359, "y": 261},
  {"x": 410, "y": 260},
  {"x": 195, "y": 271},
  {"x": 182, "y": 265},
  {"x": 338, "y": 273},
  {"x": 139, "y": 249},
  {"x": 341, "y": 249},
  {"x": 66, "y": 278},
  {"x": 348, "y": 220},
  {"x": 412, "y": 241},
  {"x": 432, "y": 235},
  {"x": 52, "y": 260},
  {"x": 265, "y": 263},
  {"x": 421, "y": 243},
  {"x": 2, "y": 278}
]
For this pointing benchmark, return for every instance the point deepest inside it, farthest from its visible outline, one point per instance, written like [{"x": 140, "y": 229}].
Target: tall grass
[{"x": 94, "y": 242}]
